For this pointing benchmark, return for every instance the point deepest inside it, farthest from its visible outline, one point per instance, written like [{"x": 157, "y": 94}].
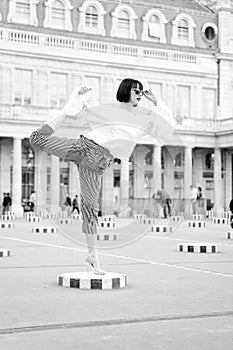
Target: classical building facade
[{"x": 182, "y": 50}]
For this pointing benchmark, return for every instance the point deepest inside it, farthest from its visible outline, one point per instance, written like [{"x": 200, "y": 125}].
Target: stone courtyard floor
[{"x": 173, "y": 301}]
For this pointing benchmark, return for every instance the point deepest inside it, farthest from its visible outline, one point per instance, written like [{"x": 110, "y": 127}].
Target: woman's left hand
[{"x": 150, "y": 96}]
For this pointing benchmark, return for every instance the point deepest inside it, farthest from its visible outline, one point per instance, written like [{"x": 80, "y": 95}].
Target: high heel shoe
[{"x": 93, "y": 266}]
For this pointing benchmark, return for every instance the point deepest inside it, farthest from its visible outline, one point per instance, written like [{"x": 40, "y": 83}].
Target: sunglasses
[{"x": 137, "y": 91}]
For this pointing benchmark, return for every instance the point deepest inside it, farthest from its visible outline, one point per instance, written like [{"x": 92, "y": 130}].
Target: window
[
  {"x": 23, "y": 11},
  {"x": 92, "y": 18},
  {"x": 58, "y": 90},
  {"x": 58, "y": 14},
  {"x": 208, "y": 103},
  {"x": 148, "y": 158},
  {"x": 123, "y": 23},
  {"x": 209, "y": 161},
  {"x": 94, "y": 96},
  {"x": 156, "y": 88},
  {"x": 170, "y": 98},
  {"x": 209, "y": 31},
  {"x": 27, "y": 181},
  {"x": 183, "y": 103},
  {"x": 64, "y": 175},
  {"x": 23, "y": 87},
  {"x": 183, "y": 30},
  {"x": 179, "y": 160},
  {"x": 42, "y": 83},
  {"x": 154, "y": 26},
  {"x": 178, "y": 184}
]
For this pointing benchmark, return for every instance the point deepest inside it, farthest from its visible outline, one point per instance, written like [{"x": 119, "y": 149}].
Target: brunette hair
[{"x": 124, "y": 89}]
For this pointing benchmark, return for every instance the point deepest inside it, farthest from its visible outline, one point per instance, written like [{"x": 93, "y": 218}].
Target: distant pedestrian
[
  {"x": 193, "y": 199},
  {"x": 32, "y": 200},
  {"x": 200, "y": 201},
  {"x": 67, "y": 204},
  {"x": 231, "y": 210},
  {"x": 75, "y": 204},
  {"x": 6, "y": 203},
  {"x": 165, "y": 202}
]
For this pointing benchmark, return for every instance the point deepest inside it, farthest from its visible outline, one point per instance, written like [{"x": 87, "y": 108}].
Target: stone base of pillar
[
  {"x": 55, "y": 209},
  {"x": 90, "y": 280},
  {"x": 218, "y": 212},
  {"x": 124, "y": 212},
  {"x": 17, "y": 210}
]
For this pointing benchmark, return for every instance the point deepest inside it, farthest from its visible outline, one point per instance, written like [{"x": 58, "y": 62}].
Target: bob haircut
[{"x": 124, "y": 89}]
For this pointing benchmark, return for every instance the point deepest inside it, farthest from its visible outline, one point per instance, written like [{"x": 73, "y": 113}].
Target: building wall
[{"x": 170, "y": 69}]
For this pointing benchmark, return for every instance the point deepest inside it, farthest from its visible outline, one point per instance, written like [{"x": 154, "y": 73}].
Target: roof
[{"x": 184, "y": 4}]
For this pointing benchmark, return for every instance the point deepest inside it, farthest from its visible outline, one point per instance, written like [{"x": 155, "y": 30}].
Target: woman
[{"x": 91, "y": 158}]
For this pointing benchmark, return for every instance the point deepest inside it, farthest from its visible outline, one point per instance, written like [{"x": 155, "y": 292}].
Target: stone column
[
  {"x": 218, "y": 206},
  {"x": 198, "y": 167},
  {"x": 41, "y": 181},
  {"x": 124, "y": 188},
  {"x": 55, "y": 184},
  {"x": 228, "y": 187},
  {"x": 17, "y": 178},
  {"x": 5, "y": 165},
  {"x": 188, "y": 180},
  {"x": 74, "y": 184},
  {"x": 157, "y": 170},
  {"x": 139, "y": 171}
]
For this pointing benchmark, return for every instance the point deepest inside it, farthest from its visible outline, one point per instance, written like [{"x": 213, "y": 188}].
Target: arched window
[
  {"x": 183, "y": 30},
  {"x": 92, "y": 18},
  {"x": 23, "y": 11},
  {"x": 209, "y": 161},
  {"x": 179, "y": 160},
  {"x": 148, "y": 158},
  {"x": 58, "y": 14},
  {"x": 154, "y": 26},
  {"x": 123, "y": 22}
]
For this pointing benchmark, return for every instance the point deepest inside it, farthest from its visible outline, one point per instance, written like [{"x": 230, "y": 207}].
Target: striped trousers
[{"x": 91, "y": 159}]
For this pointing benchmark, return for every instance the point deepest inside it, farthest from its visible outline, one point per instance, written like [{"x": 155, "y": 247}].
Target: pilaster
[
  {"x": 55, "y": 184},
  {"x": 124, "y": 188},
  {"x": 17, "y": 178}
]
